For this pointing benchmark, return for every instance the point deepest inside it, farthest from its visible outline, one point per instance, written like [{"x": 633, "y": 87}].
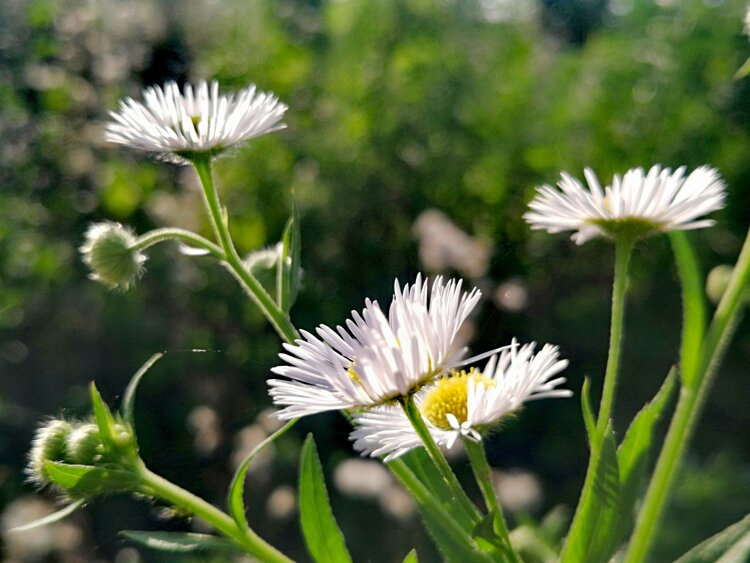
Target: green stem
[
  {"x": 437, "y": 457},
  {"x": 232, "y": 260},
  {"x": 689, "y": 408},
  {"x": 623, "y": 250},
  {"x": 155, "y": 485},
  {"x": 483, "y": 475},
  {"x": 188, "y": 237}
]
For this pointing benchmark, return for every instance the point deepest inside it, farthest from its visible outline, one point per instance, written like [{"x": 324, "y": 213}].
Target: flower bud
[
  {"x": 108, "y": 252},
  {"x": 717, "y": 281},
  {"x": 84, "y": 445},
  {"x": 49, "y": 444}
]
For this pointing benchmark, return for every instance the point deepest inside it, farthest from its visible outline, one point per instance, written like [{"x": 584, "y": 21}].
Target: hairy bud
[
  {"x": 108, "y": 252},
  {"x": 84, "y": 445},
  {"x": 49, "y": 444}
]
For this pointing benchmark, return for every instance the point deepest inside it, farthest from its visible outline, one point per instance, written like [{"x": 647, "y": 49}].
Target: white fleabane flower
[
  {"x": 376, "y": 358},
  {"x": 465, "y": 404},
  {"x": 178, "y": 125},
  {"x": 638, "y": 204}
]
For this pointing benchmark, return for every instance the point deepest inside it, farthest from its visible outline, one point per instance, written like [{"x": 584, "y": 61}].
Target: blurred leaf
[
  {"x": 729, "y": 545},
  {"x": 86, "y": 480},
  {"x": 289, "y": 263},
  {"x": 592, "y": 530},
  {"x": 128, "y": 399},
  {"x": 180, "y": 542},
  {"x": 693, "y": 307},
  {"x": 743, "y": 71},
  {"x": 633, "y": 455},
  {"x": 411, "y": 557},
  {"x": 51, "y": 518},
  {"x": 235, "y": 497},
  {"x": 322, "y": 535}
]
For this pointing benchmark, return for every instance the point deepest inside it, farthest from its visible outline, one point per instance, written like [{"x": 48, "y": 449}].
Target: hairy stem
[{"x": 187, "y": 237}]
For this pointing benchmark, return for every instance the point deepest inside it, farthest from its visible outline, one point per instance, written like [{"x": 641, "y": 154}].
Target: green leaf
[
  {"x": 588, "y": 413},
  {"x": 180, "y": 542},
  {"x": 731, "y": 544},
  {"x": 633, "y": 455},
  {"x": 693, "y": 307},
  {"x": 51, "y": 518},
  {"x": 322, "y": 535},
  {"x": 592, "y": 530},
  {"x": 411, "y": 557},
  {"x": 235, "y": 497},
  {"x": 486, "y": 534},
  {"x": 104, "y": 419},
  {"x": 128, "y": 399},
  {"x": 86, "y": 480},
  {"x": 288, "y": 272},
  {"x": 743, "y": 71}
]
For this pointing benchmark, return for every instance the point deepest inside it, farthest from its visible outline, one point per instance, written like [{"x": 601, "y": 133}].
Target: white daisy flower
[
  {"x": 178, "y": 124},
  {"x": 638, "y": 203},
  {"x": 465, "y": 404},
  {"x": 376, "y": 358}
]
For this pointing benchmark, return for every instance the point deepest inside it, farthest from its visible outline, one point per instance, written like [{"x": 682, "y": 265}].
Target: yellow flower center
[{"x": 450, "y": 396}]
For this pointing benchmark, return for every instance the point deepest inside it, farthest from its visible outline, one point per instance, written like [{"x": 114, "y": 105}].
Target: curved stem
[
  {"x": 689, "y": 408},
  {"x": 623, "y": 250},
  {"x": 437, "y": 457},
  {"x": 188, "y": 237},
  {"x": 483, "y": 475},
  {"x": 155, "y": 485},
  {"x": 232, "y": 260}
]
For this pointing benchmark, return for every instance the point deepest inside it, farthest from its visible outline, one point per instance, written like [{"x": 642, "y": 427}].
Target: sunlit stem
[
  {"x": 181, "y": 235},
  {"x": 623, "y": 250},
  {"x": 483, "y": 474},
  {"x": 232, "y": 260},
  {"x": 154, "y": 485},
  {"x": 437, "y": 457},
  {"x": 689, "y": 407}
]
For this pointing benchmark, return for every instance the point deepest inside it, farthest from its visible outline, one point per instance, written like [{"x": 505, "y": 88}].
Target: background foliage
[{"x": 395, "y": 108}]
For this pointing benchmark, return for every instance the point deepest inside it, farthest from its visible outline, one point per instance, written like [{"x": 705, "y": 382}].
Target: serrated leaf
[
  {"x": 235, "y": 497},
  {"x": 180, "y": 542},
  {"x": 51, "y": 518},
  {"x": 86, "y": 480},
  {"x": 735, "y": 537},
  {"x": 588, "y": 413},
  {"x": 288, "y": 272},
  {"x": 128, "y": 399},
  {"x": 322, "y": 535},
  {"x": 411, "y": 557},
  {"x": 634, "y": 452},
  {"x": 693, "y": 307},
  {"x": 593, "y": 525},
  {"x": 104, "y": 419}
]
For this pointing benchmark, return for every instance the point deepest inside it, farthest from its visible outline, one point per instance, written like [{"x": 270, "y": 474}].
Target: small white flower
[
  {"x": 465, "y": 404},
  {"x": 376, "y": 358},
  {"x": 177, "y": 125},
  {"x": 638, "y": 203}
]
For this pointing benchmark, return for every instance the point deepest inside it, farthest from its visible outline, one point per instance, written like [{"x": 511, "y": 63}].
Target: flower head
[
  {"x": 638, "y": 204},
  {"x": 108, "y": 252},
  {"x": 178, "y": 125},
  {"x": 465, "y": 403},
  {"x": 376, "y": 358}
]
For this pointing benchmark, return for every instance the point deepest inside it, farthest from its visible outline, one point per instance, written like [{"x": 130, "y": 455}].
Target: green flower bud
[
  {"x": 84, "y": 445},
  {"x": 717, "y": 282},
  {"x": 49, "y": 444},
  {"x": 108, "y": 252}
]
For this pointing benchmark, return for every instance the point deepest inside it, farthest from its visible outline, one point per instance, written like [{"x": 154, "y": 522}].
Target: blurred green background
[{"x": 417, "y": 131}]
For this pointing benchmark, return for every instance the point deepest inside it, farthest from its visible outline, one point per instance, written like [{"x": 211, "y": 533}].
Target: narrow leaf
[
  {"x": 322, "y": 535},
  {"x": 411, "y": 557},
  {"x": 743, "y": 71},
  {"x": 179, "y": 542},
  {"x": 588, "y": 413},
  {"x": 235, "y": 497},
  {"x": 712, "y": 549},
  {"x": 288, "y": 271},
  {"x": 634, "y": 452},
  {"x": 486, "y": 534},
  {"x": 591, "y": 532},
  {"x": 693, "y": 307},
  {"x": 51, "y": 518},
  {"x": 86, "y": 480},
  {"x": 104, "y": 419},
  {"x": 128, "y": 399}
]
